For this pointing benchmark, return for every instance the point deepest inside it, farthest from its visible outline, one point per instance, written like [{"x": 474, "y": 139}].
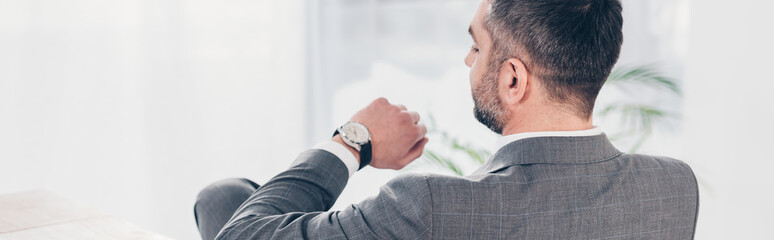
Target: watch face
[{"x": 355, "y": 132}]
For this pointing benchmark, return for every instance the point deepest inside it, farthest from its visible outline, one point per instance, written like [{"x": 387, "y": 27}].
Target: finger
[
  {"x": 401, "y": 106},
  {"x": 416, "y": 151},
  {"x": 422, "y": 131},
  {"x": 414, "y": 117},
  {"x": 380, "y": 100}
]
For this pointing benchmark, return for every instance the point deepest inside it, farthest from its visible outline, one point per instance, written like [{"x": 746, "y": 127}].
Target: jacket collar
[{"x": 552, "y": 150}]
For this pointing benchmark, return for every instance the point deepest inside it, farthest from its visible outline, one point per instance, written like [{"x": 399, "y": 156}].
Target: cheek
[
  {"x": 473, "y": 76},
  {"x": 477, "y": 71}
]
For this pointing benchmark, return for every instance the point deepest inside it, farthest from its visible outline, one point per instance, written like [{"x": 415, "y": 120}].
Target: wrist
[{"x": 354, "y": 151}]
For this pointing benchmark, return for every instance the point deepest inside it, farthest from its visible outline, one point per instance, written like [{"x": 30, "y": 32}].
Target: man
[{"x": 536, "y": 69}]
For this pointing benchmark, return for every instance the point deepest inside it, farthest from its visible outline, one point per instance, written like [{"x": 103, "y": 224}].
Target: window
[{"x": 411, "y": 51}]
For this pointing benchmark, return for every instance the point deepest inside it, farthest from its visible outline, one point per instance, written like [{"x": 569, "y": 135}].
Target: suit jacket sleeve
[{"x": 295, "y": 204}]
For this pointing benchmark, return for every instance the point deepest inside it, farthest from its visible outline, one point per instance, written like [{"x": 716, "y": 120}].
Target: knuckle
[
  {"x": 422, "y": 129},
  {"x": 417, "y": 137},
  {"x": 406, "y": 117}
]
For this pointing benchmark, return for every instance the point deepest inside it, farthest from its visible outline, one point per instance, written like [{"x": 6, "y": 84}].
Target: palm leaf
[
  {"x": 642, "y": 75},
  {"x": 478, "y": 156},
  {"x": 443, "y": 162},
  {"x": 638, "y": 120}
]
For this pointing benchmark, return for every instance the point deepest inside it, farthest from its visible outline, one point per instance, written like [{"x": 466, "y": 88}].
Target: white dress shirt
[{"x": 343, "y": 153}]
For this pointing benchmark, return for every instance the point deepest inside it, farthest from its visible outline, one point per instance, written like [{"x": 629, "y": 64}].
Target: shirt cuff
[{"x": 341, "y": 152}]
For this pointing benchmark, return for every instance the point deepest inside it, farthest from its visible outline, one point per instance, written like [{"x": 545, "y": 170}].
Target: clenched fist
[{"x": 396, "y": 137}]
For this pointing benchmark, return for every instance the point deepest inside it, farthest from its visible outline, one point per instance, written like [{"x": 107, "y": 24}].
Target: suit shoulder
[
  {"x": 408, "y": 179},
  {"x": 411, "y": 184},
  {"x": 652, "y": 161},
  {"x": 669, "y": 161},
  {"x": 428, "y": 181}
]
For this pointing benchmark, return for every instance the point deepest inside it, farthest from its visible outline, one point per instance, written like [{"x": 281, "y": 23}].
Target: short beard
[{"x": 488, "y": 108}]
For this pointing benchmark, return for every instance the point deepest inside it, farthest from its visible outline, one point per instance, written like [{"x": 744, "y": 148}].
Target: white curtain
[{"x": 133, "y": 106}]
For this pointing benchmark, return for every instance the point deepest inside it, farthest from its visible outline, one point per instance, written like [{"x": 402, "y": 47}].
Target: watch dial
[{"x": 356, "y": 132}]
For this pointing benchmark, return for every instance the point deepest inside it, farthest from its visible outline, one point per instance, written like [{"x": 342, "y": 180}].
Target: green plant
[
  {"x": 637, "y": 120},
  {"x": 444, "y": 158}
]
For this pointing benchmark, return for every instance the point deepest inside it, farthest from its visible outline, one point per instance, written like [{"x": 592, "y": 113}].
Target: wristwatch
[{"x": 356, "y": 135}]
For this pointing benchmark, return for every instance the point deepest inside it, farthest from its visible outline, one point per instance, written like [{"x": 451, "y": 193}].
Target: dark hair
[{"x": 570, "y": 45}]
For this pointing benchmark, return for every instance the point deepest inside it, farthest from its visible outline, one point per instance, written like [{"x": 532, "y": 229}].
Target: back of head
[{"x": 569, "y": 45}]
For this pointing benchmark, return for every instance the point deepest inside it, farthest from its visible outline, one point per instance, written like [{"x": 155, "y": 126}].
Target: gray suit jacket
[{"x": 534, "y": 188}]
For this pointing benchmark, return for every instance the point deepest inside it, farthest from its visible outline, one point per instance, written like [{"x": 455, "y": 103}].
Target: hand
[{"x": 396, "y": 137}]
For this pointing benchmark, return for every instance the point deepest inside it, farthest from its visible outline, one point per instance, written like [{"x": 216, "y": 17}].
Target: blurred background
[{"x": 133, "y": 106}]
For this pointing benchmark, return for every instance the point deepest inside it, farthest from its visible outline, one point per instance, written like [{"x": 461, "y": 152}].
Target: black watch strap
[
  {"x": 365, "y": 152},
  {"x": 365, "y": 155}
]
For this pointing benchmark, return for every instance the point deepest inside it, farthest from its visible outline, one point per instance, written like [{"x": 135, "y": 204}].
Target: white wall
[
  {"x": 729, "y": 116},
  {"x": 133, "y": 106}
]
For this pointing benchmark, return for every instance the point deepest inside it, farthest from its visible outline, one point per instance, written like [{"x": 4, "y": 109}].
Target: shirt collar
[{"x": 505, "y": 140}]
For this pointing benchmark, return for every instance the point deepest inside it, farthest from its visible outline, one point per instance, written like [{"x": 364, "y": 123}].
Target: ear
[{"x": 513, "y": 80}]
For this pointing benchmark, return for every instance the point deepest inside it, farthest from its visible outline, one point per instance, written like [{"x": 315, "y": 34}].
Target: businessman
[{"x": 536, "y": 69}]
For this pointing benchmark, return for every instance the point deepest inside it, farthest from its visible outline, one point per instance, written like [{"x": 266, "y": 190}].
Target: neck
[{"x": 546, "y": 123}]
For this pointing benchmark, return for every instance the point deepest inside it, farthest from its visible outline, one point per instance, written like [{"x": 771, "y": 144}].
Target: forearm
[
  {"x": 292, "y": 204},
  {"x": 312, "y": 184}
]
